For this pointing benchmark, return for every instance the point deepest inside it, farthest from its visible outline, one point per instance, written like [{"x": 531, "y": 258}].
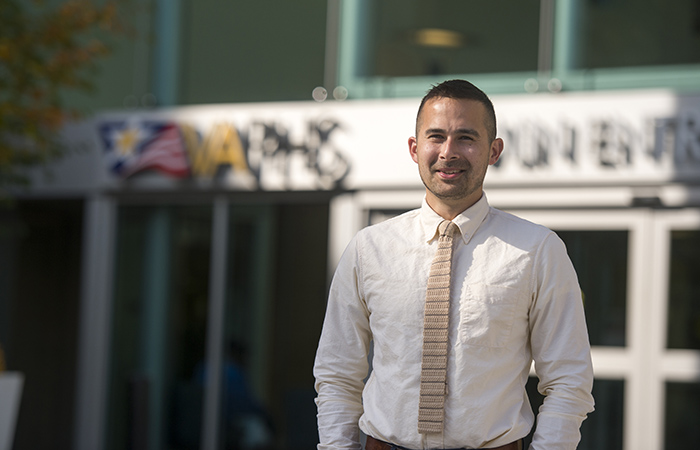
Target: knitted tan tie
[{"x": 433, "y": 377}]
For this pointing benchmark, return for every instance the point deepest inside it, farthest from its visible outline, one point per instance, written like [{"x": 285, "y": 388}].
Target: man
[{"x": 513, "y": 298}]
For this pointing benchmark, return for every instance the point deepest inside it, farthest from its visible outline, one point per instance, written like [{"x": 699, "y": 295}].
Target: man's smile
[{"x": 448, "y": 173}]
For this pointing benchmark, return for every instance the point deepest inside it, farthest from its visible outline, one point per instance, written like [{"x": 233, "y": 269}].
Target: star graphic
[{"x": 126, "y": 141}]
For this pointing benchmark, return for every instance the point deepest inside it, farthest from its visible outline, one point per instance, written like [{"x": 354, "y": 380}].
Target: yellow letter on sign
[
  {"x": 225, "y": 148},
  {"x": 222, "y": 146}
]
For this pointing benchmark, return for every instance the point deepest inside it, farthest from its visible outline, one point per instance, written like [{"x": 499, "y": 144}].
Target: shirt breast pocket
[{"x": 488, "y": 313}]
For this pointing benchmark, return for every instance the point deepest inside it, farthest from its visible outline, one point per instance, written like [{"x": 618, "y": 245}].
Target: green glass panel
[
  {"x": 682, "y": 415},
  {"x": 628, "y": 33},
  {"x": 159, "y": 320},
  {"x": 602, "y": 429},
  {"x": 684, "y": 290},
  {"x": 249, "y": 51},
  {"x": 420, "y": 37},
  {"x": 600, "y": 260},
  {"x": 246, "y": 414},
  {"x": 40, "y": 267}
]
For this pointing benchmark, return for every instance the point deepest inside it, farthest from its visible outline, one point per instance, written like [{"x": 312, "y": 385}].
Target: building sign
[
  {"x": 261, "y": 155},
  {"x": 601, "y": 139},
  {"x": 581, "y": 138}
]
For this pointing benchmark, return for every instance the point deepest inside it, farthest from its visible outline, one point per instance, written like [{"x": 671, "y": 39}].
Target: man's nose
[{"x": 449, "y": 149}]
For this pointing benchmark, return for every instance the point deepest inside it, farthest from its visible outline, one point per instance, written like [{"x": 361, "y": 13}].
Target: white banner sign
[{"x": 580, "y": 138}]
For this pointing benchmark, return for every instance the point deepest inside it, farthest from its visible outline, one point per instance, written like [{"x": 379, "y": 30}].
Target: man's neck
[{"x": 450, "y": 209}]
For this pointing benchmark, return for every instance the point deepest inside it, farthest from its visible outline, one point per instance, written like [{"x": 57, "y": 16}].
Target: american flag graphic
[{"x": 137, "y": 146}]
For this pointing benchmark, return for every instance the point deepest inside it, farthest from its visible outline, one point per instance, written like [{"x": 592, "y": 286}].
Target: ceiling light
[{"x": 437, "y": 37}]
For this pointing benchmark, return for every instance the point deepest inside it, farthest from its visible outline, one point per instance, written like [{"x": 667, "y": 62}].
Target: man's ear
[
  {"x": 413, "y": 148},
  {"x": 496, "y": 150}
]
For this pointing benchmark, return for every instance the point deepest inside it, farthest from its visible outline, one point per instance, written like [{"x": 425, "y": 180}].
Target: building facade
[{"x": 164, "y": 287}]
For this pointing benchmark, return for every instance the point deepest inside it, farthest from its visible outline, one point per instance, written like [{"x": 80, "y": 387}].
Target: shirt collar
[{"x": 468, "y": 221}]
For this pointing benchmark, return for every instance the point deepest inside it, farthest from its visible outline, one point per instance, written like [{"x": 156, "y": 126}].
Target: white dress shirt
[{"x": 515, "y": 298}]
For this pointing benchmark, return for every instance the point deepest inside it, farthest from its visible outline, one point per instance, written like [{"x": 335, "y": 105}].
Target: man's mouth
[{"x": 449, "y": 173}]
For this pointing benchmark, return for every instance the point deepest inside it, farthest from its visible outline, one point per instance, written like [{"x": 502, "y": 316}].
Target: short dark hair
[{"x": 461, "y": 89}]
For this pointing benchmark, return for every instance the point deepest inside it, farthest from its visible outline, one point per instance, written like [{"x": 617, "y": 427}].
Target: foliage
[{"x": 45, "y": 48}]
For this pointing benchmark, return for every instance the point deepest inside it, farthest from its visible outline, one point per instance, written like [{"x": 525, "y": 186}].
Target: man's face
[{"x": 453, "y": 151}]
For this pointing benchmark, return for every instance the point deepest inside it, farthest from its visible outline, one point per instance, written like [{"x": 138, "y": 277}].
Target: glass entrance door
[
  {"x": 190, "y": 315},
  {"x": 235, "y": 412},
  {"x": 675, "y": 329},
  {"x": 639, "y": 271},
  {"x": 159, "y": 321},
  {"x": 602, "y": 248}
]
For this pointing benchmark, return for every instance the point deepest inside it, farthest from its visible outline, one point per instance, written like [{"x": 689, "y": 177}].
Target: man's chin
[{"x": 453, "y": 195}]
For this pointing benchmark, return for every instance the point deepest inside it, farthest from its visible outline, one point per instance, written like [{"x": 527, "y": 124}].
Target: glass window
[
  {"x": 421, "y": 37},
  {"x": 602, "y": 430},
  {"x": 301, "y": 270},
  {"x": 160, "y": 312},
  {"x": 40, "y": 268},
  {"x": 682, "y": 415},
  {"x": 627, "y": 33},
  {"x": 275, "y": 280},
  {"x": 247, "y": 420},
  {"x": 252, "y": 51},
  {"x": 684, "y": 290},
  {"x": 600, "y": 259},
  {"x": 574, "y": 44}
]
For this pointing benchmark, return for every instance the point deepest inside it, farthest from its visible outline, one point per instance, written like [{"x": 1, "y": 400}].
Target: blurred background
[{"x": 180, "y": 177}]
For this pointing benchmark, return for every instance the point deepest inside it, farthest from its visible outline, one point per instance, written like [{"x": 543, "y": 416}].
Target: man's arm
[
  {"x": 561, "y": 350},
  {"x": 341, "y": 360}
]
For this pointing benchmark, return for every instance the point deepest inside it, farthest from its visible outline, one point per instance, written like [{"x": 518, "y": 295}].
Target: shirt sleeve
[
  {"x": 560, "y": 349},
  {"x": 341, "y": 364}
]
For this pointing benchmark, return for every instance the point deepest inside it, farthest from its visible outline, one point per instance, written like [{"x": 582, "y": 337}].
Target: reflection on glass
[
  {"x": 434, "y": 37},
  {"x": 600, "y": 259},
  {"x": 682, "y": 415},
  {"x": 602, "y": 430},
  {"x": 636, "y": 33},
  {"x": 160, "y": 311},
  {"x": 247, "y": 422},
  {"x": 684, "y": 290}
]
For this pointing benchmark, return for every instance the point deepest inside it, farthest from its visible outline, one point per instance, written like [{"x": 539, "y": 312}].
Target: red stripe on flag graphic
[{"x": 166, "y": 153}]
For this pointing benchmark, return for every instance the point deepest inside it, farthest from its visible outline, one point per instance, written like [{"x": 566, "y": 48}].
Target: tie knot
[{"x": 447, "y": 228}]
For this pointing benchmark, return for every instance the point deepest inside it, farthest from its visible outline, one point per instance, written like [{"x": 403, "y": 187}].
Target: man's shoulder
[
  {"x": 401, "y": 229},
  {"x": 512, "y": 222},
  {"x": 394, "y": 224}
]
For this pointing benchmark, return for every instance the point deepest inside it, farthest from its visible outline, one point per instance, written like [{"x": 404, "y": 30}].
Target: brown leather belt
[{"x": 376, "y": 444}]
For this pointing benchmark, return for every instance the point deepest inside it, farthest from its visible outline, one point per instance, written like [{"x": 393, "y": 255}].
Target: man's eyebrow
[
  {"x": 470, "y": 131},
  {"x": 461, "y": 131},
  {"x": 434, "y": 130}
]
